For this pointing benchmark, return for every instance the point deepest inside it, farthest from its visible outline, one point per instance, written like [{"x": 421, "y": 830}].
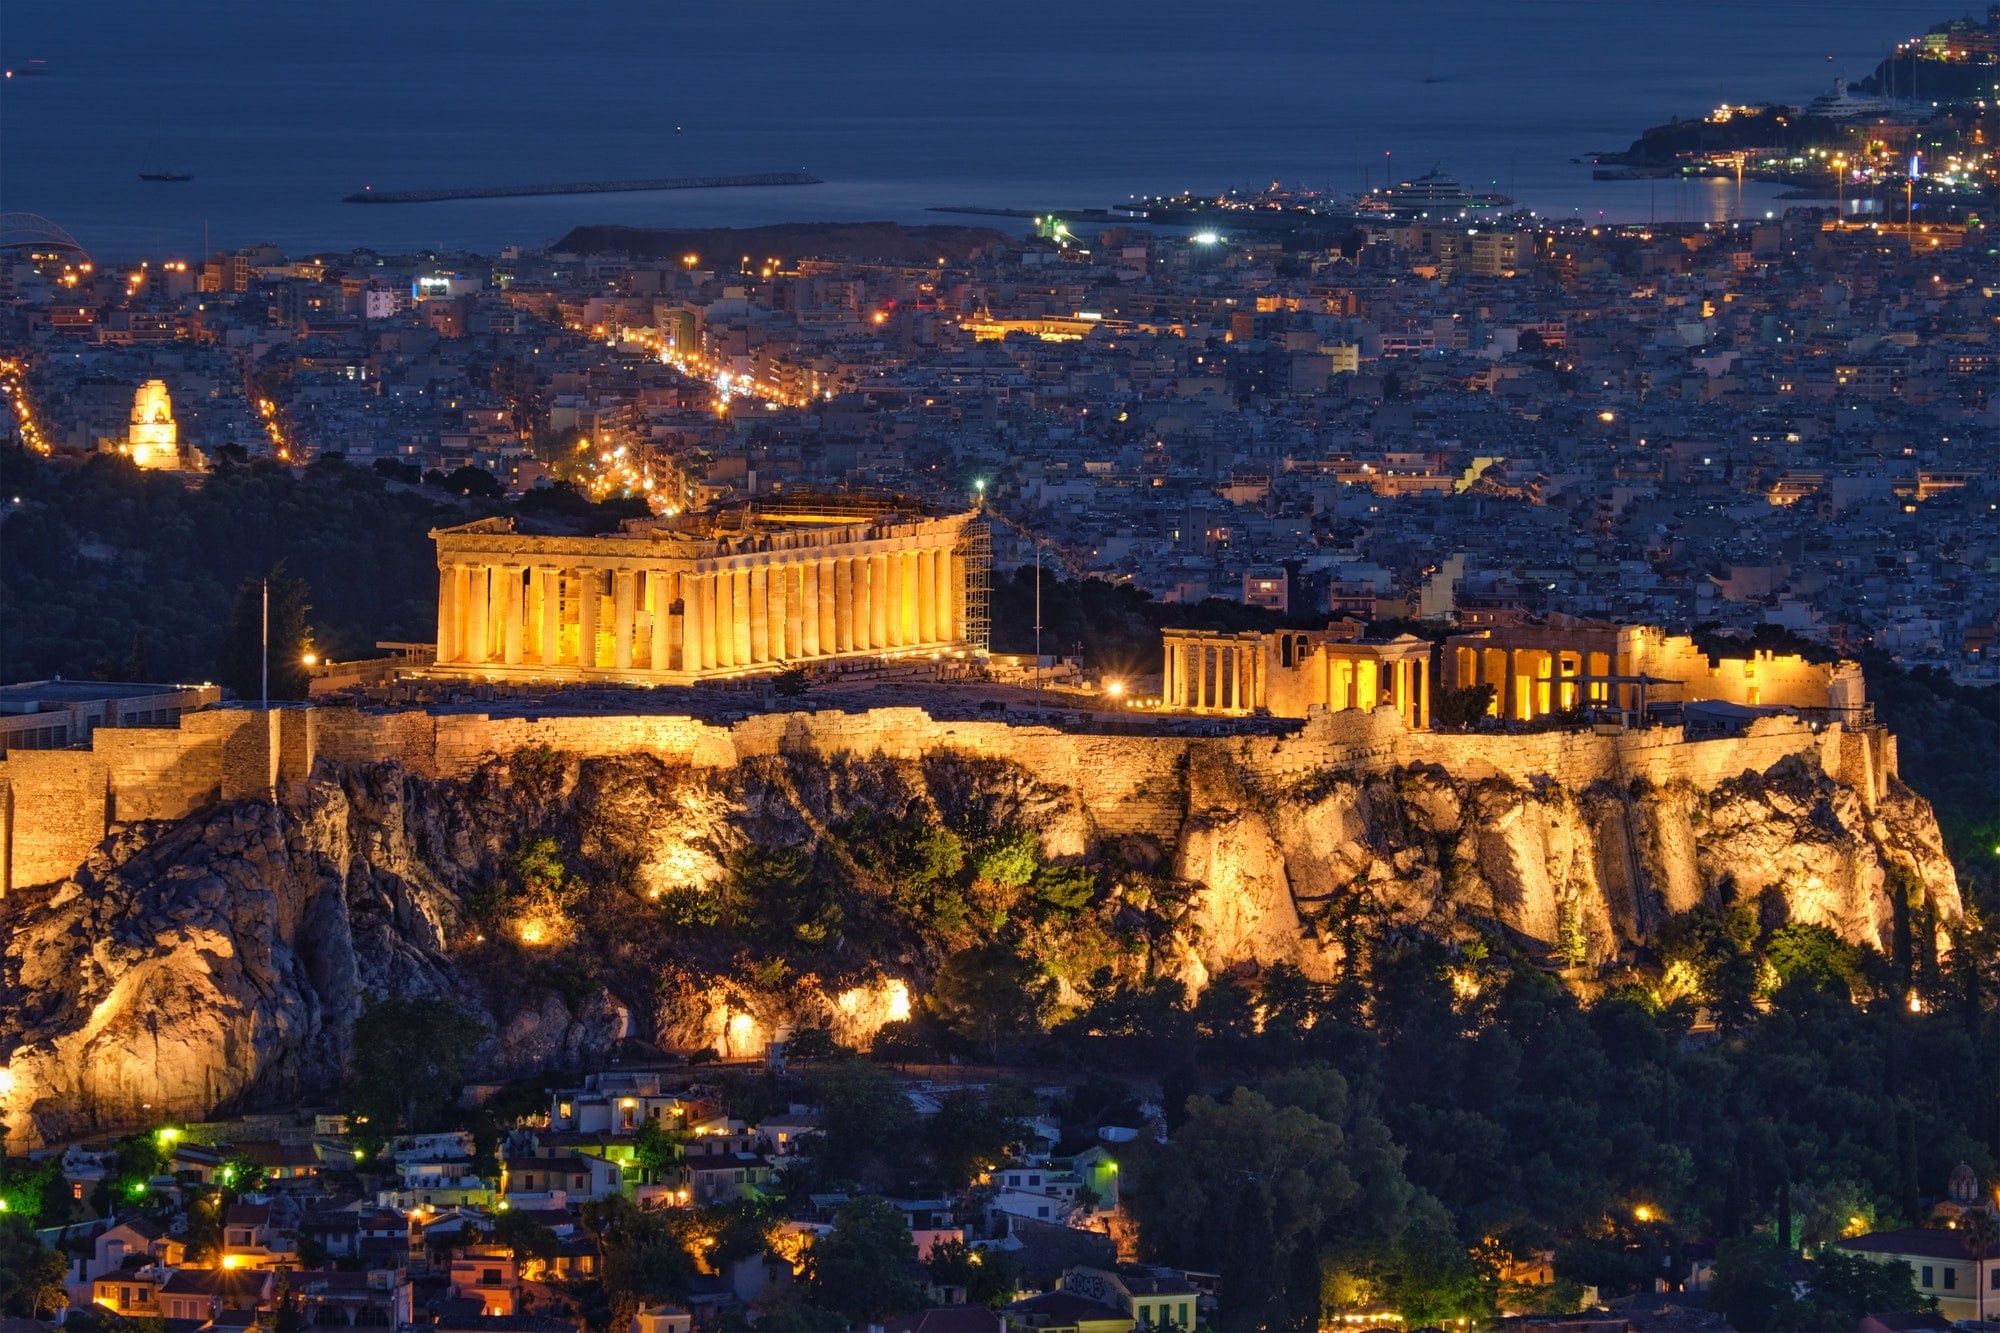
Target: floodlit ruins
[{"x": 677, "y": 599}]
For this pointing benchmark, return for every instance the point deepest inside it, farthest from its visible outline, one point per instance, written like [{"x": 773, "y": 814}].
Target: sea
[{"x": 280, "y": 108}]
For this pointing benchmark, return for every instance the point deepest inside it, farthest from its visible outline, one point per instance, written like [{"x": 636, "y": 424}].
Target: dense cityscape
[{"x": 1263, "y": 758}]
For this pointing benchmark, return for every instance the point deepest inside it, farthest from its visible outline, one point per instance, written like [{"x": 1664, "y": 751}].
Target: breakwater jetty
[{"x": 584, "y": 187}]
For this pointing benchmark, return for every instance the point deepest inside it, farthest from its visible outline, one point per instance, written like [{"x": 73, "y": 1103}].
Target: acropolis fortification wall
[{"x": 57, "y": 805}]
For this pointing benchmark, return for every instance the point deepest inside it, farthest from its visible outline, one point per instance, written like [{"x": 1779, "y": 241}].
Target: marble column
[
  {"x": 725, "y": 617},
  {"x": 812, "y": 610},
  {"x": 912, "y": 597},
  {"x": 742, "y": 653},
  {"x": 478, "y": 597},
  {"x": 588, "y": 589},
  {"x": 715, "y": 620},
  {"x": 704, "y": 657},
  {"x": 893, "y": 576},
  {"x": 956, "y": 582},
  {"x": 660, "y": 592},
  {"x": 1510, "y": 703},
  {"x": 548, "y": 617},
  {"x": 625, "y": 615},
  {"x": 760, "y": 614},
  {"x": 827, "y": 609},
  {"x": 774, "y": 598},
  {"x": 1201, "y": 676},
  {"x": 510, "y": 613},
  {"x": 878, "y": 601},
  {"x": 447, "y": 611},
  {"x": 843, "y": 605},
  {"x": 947, "y": 599},
  {"x": 795, "y": 610},
  {"x": 461, "y": 609},
  {"x": 927, "y": 596},
  {"x": 694, "y": 624}
]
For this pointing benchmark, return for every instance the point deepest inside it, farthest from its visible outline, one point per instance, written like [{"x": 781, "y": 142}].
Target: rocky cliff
[{"x": 220, "y": 960}]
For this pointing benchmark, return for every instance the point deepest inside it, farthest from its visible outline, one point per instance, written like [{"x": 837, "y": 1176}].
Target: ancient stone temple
[
  {"x": 151, "y": 438},
  {"x": 1286, "y": 672},
  {"x": 670, "y": 601},
  {"x": 1571, "y": 663}
]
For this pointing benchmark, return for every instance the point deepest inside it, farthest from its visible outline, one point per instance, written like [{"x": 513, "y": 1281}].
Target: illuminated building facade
[
  {"x": 152, "y": 439},
  {"x": 675, "y": 600},
  {"x": 1569, "y": 664}
]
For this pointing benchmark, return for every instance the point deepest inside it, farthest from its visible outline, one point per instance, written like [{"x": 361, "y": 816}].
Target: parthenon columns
[{"x": 646, "y": 615}]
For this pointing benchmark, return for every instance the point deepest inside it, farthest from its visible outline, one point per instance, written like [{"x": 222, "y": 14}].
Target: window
[
  {"x": 489, "y": 1277},
  {"x": 1926, "y": 1277},
  {"x": 1183, "y": 1321},
  {"x": 1950, "y": 1279},
  {"x": 1145, "y": 1314},
  {"x": 1995, "y": 1276}
]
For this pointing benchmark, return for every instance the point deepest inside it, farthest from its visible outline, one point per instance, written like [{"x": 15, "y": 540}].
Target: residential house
[
  {"x": 722, "y": 1176},
  {"x": 662, "y": 1319},
  {"x": 132, "y": 1292},
  {"x": 250, "y": 1239},
  {"x": 1065, "y": 1312},
  {"x": 140, "y": 1238},
  {"x": 615, "y": 1103},
  {"x": 945, "y": 1319},
  {"x": 1104, "y": 1300},
  {"x": 378, "y": 1298},
  {"x": 930, "y": 1223},
  {"x": 1939, "y": 1264},
  {"x": 487, "y": 1274},
  {"x": 576, "y": 1176},
  {"x": 282, "y": 1163},
  {"x": 781, "y": 1133},
  {"x": 206, "y": 1293}
]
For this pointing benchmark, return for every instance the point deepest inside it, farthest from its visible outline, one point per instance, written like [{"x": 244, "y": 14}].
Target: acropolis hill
[{"x": 199, "y": 912}]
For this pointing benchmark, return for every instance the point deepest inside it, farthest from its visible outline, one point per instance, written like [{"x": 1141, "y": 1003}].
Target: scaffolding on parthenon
[{"x": 975, "y": 546}]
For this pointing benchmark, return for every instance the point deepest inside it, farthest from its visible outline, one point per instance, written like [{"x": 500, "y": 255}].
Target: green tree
[
  {"x": 524, "y": 1237},
  {"x": 771, "y": 895},
  {"x": 1981, "y": 1234},
  {"x": 646, "y": 1255},
  {"x": 866, "y": 1124},
  {"x": 654, "y": 1149},
  {"x": 1272, "y": 1188},
  {"x": 31, "y": 1274},
  {"x": 1815, "y": 953},
  {"x": 859, "y": 1267},
  {"x": 972, "y": 1131},
  {"x": 1011, "y": 858},
  {"x": 986, "y": 995},
  {"x": 989, "y": 1276},
  {"x": 408, "y": 1062},
  {"x": 241, "y": 664},
  {"x": 1459, "y": 709}
]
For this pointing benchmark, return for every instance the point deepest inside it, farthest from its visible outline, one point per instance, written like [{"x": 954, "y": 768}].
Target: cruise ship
[
  {"x": 1432, "y": 194},
  {"x": 1846, "y": 104}
]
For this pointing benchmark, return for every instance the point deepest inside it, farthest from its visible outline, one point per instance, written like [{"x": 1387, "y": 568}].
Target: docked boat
[{"x": 149, "y": 171}]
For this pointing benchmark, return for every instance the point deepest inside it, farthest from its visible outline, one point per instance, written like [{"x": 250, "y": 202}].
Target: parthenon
[{"x": 675, "y": 600}]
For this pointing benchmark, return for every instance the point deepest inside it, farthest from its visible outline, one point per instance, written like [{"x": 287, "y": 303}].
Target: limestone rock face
[{"x": 221, "y": 961}]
